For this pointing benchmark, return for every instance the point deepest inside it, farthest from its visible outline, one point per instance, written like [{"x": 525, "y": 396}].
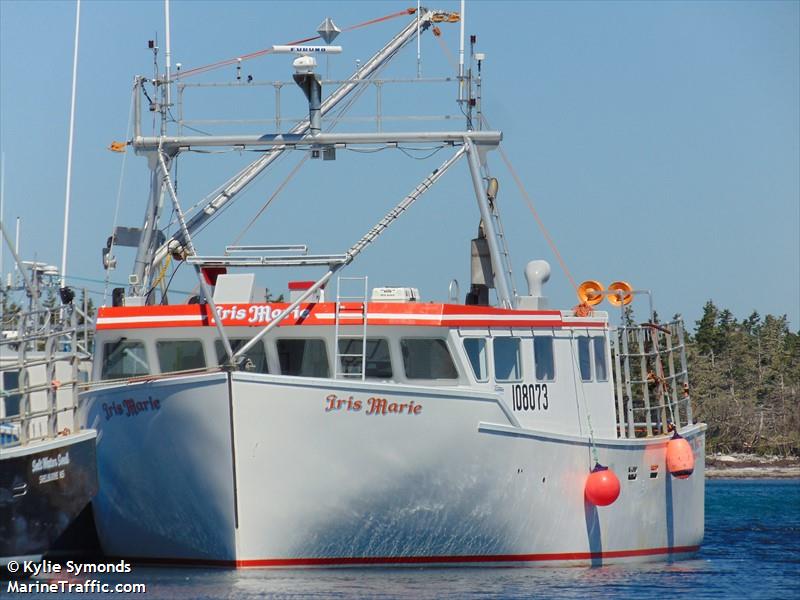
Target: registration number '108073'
[{"x": 530, "y": 396}]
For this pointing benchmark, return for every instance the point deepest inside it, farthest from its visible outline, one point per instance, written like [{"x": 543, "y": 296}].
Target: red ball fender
[
  {"x": 680, "y": 457},
  {"x": 602, "y": 486}
]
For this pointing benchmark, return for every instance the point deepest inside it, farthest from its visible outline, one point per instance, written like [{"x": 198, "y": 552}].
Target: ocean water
[{"x": 751, "y": 550}]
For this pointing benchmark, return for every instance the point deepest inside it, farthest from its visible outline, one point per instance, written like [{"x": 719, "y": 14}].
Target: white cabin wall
[
  {"x": 571, "y": 403},
  {"x": 595, "y": 401}
]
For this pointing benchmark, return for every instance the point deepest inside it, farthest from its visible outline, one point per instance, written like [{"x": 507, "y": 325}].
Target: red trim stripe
[
  {"x": 380, "y": 313},
  {"x": 418, "y": 560}
]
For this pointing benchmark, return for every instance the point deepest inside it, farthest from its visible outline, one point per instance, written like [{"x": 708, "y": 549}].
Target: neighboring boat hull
[
  {"x": 43, "y": 488},
  {"x": 310, "y": 481}
]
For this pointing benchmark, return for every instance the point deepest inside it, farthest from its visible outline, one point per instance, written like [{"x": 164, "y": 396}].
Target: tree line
[{"x": 745, "y": 378}]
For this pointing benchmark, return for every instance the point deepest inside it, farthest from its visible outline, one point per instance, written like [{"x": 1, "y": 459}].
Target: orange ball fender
[
  {"x": 602, "y": 486},
  {"x": 680, "y": 457}
]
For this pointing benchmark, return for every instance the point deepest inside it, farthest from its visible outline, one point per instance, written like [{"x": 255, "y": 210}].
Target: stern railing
[
  {"x": 32, "y": 396},
  {"x": 651, "y": 380}
]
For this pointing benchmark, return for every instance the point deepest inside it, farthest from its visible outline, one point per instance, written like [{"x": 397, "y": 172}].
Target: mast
[
  {"x": 30, "y": 288},
  {"x": 167, "y": 53},
  {"x": 70, "y": 145},
  {"x": 501, "y": 277},
  {"x": 2, "y": 215},
  {"x": 147, "y": 258},
  {"x": 419, "y": 49},
  {"x": 461, "y": 53}
]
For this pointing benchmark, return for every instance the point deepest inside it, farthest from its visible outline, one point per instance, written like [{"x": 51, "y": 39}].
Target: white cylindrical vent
[{"x": 537, "y": 273}]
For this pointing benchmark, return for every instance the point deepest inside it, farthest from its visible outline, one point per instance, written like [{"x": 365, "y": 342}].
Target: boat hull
[
  {"x": 256, "y": 470},
  {"x": 43, "y": 487}
]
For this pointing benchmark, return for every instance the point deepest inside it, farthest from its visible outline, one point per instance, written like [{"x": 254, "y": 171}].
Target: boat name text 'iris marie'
[{"x": 374, "y": 406}]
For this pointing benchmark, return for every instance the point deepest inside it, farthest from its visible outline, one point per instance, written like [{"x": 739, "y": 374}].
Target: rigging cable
[
  {"x": 532, "y": 208},
  {"x": 517, "y": 180},
  {"x": 340, "y": 112},
  {"x": 580, "y": 386},
  {"x": 172, "y": 119},
  {"x": 119, "y": 193},
  {"x": 437, "y": 33},
  {"x": 265, "y": 51},
  {"x": 409, "y": 155},
  {"x": 288, "y": 178},
  {"x": 274, "y": 195}
]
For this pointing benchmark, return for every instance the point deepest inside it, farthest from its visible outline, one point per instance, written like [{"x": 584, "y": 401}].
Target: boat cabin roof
[{"x": 350, "y": 313}]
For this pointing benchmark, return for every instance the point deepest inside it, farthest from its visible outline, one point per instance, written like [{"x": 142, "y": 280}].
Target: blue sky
[{"x": 659, "y": 141}]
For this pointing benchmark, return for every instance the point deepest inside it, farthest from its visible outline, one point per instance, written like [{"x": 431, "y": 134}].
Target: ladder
[
  {"x": 506, "y": 257},
  {"x": 351, "y": 307}
]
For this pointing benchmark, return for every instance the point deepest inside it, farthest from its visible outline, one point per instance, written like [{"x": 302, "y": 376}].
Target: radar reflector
[{"x": 328, "y": 30}]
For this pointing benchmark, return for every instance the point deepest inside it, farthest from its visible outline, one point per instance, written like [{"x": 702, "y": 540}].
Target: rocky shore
[{"x": 747, "y": 466}]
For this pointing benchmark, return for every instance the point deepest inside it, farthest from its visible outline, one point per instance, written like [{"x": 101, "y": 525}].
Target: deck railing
[
  {"x": 651, "y": 381},
  {"x": 40, "y": 372}
]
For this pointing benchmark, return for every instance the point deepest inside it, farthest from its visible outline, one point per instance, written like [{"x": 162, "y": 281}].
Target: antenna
[
  {"x": 461, "y": 54},
  {"x": 16, "y": 237},
  {"x": 167, "y": 53},
  {"x": 70, "y": 145},
  {"x": 305, "y": 77}
]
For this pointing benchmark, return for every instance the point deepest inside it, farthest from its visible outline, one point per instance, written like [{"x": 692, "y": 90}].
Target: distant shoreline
[{"x": 751, "y": 466}]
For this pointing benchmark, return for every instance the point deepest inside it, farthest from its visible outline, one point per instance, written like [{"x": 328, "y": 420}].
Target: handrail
[
  {"x": 45, "y": 338},
  {"x": 659, "y": 395}
]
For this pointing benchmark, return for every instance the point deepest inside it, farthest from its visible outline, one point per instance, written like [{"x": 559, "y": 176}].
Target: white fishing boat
[{"x": 362, "y": 426}]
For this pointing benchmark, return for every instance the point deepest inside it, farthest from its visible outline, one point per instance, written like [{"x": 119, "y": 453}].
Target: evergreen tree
[
  {"x": 706, "y": 334},
  {"x": 746, "y": 378}
]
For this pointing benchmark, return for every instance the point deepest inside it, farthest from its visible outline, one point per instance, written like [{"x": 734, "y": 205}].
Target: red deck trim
[
  {"x": 418, "y": 560},
  {"x": 379, "y": 313}
]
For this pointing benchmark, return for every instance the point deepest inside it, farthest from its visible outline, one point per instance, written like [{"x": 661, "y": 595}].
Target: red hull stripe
[
  {"x": 419, "y": 560},
  {"x": 379, "y": 313}
]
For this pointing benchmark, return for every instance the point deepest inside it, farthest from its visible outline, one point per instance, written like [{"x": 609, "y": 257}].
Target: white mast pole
[
  {"x": 168, "y": 53},
  {"x": 461, "y": 53},
  {"x": 2, "y": 213},
  {"x": 419, "y": 52},
  {"x": 70, "y": 144},
  {"x": 16, "y": 249}
]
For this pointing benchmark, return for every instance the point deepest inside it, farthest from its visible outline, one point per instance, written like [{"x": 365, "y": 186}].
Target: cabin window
[
  {"x": 584, "y": 358},
  {"x": 476, "y": 352},
  {"x": 11, "y": 382},
  {"x": 600, "y": 370},
  {"x": 180, "y": 355},
  {"x": 427, "y": 358},
  {"x": 255, "y": 358},
  {"x": 303, "y": 358},
  {"x": 379, "y": 365},
  {"x": 506, "y": 359},
  {"x": 123, "y": 359},
  {"x": 543, "y": 358}
]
